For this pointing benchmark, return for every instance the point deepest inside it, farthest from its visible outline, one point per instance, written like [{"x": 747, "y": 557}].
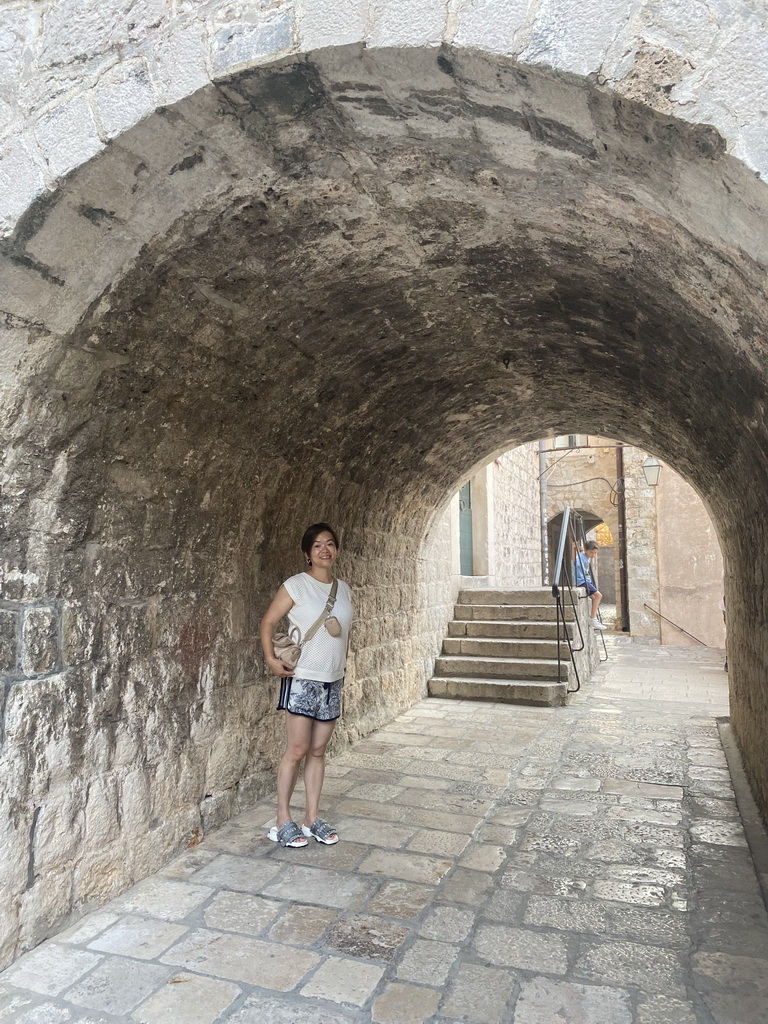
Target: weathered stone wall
[
  {"x": 325, "y": 289},
  {"x": 137, "y": 721},
  {"x": 642, "y": 552},
  {"x": 75, "y": 74},
  {"x": 690, "y": 566},
  {"x": 506, "y": 537},
  {"x": 516, "y": 519}
]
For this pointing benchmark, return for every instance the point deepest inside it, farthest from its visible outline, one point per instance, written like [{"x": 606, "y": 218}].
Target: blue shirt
[{"x": 581, "y": 569}]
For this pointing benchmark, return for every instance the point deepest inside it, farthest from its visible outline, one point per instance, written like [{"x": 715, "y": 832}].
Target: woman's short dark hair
[{"x": 313, "y": 532}]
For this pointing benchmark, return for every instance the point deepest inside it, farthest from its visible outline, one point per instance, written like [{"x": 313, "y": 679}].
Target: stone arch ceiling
[
  {"x": 328, "y": 288},
  {"x": 401, "y": 260}
]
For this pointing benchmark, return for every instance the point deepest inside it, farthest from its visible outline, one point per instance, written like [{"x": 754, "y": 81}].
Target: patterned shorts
[{"x": 311, "y": 699}]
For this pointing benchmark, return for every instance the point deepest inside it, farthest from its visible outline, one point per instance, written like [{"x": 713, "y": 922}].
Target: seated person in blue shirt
[{"x": 582, "y": 577}]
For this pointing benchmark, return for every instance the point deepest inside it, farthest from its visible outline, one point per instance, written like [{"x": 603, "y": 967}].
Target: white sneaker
[{"x": 597, "y": 624}]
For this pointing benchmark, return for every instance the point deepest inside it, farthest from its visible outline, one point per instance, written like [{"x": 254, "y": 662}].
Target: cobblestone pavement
[{"x": 584, "y": 864}]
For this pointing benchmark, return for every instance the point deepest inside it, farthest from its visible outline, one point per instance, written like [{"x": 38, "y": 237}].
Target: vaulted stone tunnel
[{"x": 327, "y": 289}]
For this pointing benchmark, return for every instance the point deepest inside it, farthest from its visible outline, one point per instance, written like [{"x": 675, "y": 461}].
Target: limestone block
[
  {"x": 135, "y": 802},
  {"x": 491, "y": 24},
  {"x": 128, "y": 744},
  {"x": 80, "y": 632},
  {"x": 225, "y": 762},
  {"x": 67, "y": 135},
  {"x": 253, "y": 36},
  {"x": 14, "y": 841},
  {"x": 102, "y": 820},
  {"x": 74, "y": 30},
  {"x": 102, "y": 872},
  {"x": 48, "y": 900},
  {"x": 251, "y": 788},
  {"x": 686, "y": 28},
  {"x": 59, "y": 828},
  {"x": 721, "y": 91},
  {"x": 14, "y": 336},
  {"x": 151, "y": 851},
  {"x": 21, "y": 182},
  {"x": 573, "y": 35},
  {"x": 180, "y": 62},
  {"x": 6, "y": 115},
  {"x": 332, "y": 23},
  {"x": 189, "y": 998},
  {"x": 216, "y": 808},
  {"x": 401, "y": 23},
  {"x": 9, "y": 930},
  {"x": 9, "y": 626},
  {"x": 40, "y": 640},
  {"x": 52, "y": 968},
  {"x": 123, "y": 96},
  {"x": 17, "y": 32}
]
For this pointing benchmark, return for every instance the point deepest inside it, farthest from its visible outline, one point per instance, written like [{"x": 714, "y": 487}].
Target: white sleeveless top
[{"x": 325, "y": 657}]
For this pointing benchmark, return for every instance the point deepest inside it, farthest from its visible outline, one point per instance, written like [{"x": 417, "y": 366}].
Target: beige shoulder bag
[{"x": 287, "y": 646}]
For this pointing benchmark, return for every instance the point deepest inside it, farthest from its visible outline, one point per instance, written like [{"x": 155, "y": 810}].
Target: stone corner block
[
  {"x": 246, "y": 42},
  {"x": 40, "y": 640},
  {"x": 9, "y": 639}
]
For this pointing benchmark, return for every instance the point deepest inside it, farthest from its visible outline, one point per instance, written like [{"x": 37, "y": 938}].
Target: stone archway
[{"x": 265, "y": 305}]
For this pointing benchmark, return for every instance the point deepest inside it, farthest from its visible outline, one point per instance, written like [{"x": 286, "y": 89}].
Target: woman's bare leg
[
  {"x": 314, "y": 768},
  {"x": 298, "y": 734}
]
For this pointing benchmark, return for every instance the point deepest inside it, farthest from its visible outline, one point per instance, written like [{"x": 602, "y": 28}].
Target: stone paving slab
[{"x": 498, "y": 865}]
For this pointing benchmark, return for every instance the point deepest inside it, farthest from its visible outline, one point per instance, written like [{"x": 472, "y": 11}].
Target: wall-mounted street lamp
[{"x": 651, "y": 471}]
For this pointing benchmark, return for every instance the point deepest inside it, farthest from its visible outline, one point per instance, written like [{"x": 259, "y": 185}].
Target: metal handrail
[
  {"x": 568, "y": 531},
  {"x": 702, "y": 642}
]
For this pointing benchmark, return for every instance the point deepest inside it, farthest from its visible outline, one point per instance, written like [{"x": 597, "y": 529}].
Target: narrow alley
[{"x": 498, "y": 864}]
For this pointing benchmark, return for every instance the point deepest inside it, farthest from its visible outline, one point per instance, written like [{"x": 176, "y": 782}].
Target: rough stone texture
[
  {"x": 264, "y": 305},
  {"x": 404, "y": 1004},
  {"x": 409, "y": 954},
  {"x": 516, "y": 518},
  {"x": 478, "y": 994},
  {"x": 343, "y": 981},
  {"x": 690, "y": 581},
  {"x": 642, "y": 533},
  {"x": 506, "y": 531},
  {"x": 543, "y": 1000},
  {"x": 189, "y": 998},
  {"x": 76, "y": 73}
]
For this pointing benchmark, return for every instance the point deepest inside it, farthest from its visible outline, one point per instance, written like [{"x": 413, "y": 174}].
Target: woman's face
[{"x": 323, "y": 551}]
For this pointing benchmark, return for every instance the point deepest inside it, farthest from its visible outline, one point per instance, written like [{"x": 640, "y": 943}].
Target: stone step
[
  {"x": 459, "y": 665},
  {"x": 509, "y": 630},
  {"x": 510, "y": 612},
  {"x": 529, "y": 595},
  {"x": 505, "y": 691},
  {"x": 489, "y": 647}
]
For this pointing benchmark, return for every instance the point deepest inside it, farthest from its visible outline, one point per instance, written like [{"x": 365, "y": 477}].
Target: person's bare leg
[
  {"x": 298, "y": 734},
  {"x": 597, "y": 597},
  {"x": 314, "y": 768}
]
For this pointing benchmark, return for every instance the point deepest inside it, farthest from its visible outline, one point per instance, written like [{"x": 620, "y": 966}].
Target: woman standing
[{"x": 311, "y": 689}]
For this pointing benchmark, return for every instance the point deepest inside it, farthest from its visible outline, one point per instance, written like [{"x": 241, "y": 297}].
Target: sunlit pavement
[{"x": 497, "y": 864}]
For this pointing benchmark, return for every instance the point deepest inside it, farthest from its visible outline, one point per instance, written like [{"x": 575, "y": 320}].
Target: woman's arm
[{"x": 282, "y": 603}]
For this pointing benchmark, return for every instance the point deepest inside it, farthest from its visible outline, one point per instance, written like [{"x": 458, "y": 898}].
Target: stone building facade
[
  {"x": 674, "y": 565},
  {"x": 263, "y": 265},
  {"x": 506, "y": 523}
]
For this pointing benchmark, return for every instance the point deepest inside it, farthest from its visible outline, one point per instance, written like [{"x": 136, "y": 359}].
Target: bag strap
[{"x": 324, "y": 614}]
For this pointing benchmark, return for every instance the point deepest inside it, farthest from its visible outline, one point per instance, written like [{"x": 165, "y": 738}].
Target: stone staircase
[{"x": 502, "y": 646}]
